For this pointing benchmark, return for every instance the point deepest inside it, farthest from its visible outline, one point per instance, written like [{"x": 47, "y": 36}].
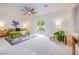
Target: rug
[{"x": 19, "y": 40}]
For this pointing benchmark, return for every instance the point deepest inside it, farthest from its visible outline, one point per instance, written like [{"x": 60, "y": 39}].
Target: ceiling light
[
  {"x": 1, "y": 24},
  {"x": 58, "y": 23},
  {"x": 29, "y": 11}
]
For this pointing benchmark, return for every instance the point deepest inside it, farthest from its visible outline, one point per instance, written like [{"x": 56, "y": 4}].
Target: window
[{"x": 41, "y": 25}]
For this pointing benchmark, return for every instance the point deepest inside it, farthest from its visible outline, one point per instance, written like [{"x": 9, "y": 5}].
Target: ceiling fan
[{"x": 29, "y": 11}]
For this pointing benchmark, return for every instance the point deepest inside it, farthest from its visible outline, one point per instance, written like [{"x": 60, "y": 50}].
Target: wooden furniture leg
[
  {"x": 65, "y": 40},
  {"x": 73, "y": 46}
]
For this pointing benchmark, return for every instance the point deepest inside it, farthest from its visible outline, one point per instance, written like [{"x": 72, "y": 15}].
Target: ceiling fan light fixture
[{"x": 29, "y": 11}]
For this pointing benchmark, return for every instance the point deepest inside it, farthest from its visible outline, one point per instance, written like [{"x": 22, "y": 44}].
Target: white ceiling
[
  {"x": 39, "y": 7},
  {"x": 13, "y": 11}
]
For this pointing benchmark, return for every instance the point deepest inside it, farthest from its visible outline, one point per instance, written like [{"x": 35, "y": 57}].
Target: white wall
[
  {"x": 78, "y": 18},
  {"x": 50, "y": 21}
]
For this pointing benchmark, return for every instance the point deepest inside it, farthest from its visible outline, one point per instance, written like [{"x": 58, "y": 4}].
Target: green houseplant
[{"x": 60, "y": 35}]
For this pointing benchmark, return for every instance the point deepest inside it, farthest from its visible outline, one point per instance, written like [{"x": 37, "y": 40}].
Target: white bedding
[{"x": 40, "y": 45}]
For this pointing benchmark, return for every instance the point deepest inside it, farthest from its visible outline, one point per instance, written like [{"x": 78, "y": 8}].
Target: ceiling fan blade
[
  {"x": 29, "y": 9},
  {"x": 32, "y": 9},
  {"x": 25, "y": 13},
  {"x": 26, "y": 8},
  {"x": 34, "y": 12}
]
